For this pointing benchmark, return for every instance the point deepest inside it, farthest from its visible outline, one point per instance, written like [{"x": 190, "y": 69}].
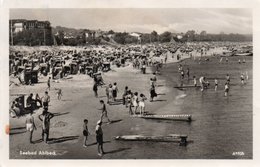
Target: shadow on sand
[
  {"x": 62, "y": 139},
  {"x": 59, "y": 114},
  {"x": 117, "y": 150},
  {"x": 159, "y": 100},
  {"x": 95, "y": 143}
]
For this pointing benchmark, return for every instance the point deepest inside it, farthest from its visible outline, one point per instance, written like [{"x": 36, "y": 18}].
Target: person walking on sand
[
  {"x": 141, "y": 104},
  {"x": 135, "y": 102},
  {"x": 85, "y": 132},
  {"x": 95, "y": 89},
  {"x": 107, "y": 93},
  {"x": 49, "y": 84},
  {"x": 59, "y": 93},
  {"x": 99, "y": 138},
  {"x": 45, "y": 117},
  {"x": 30, "y": 125},
  {"x": 226, "y": 88},
  {"x": 216, "y": 84},
  {"x": 152, "y": 93},
  {"x": 188, "y": 73},
  {"x": 104, "y": 111},
  {"x": 202, "y": 81},
  {"x": 124, "y": 95},
  {"x": 154, "y": 79},
  {"x": 115, "y": 91},
  {"x": 45, "y": 100}
]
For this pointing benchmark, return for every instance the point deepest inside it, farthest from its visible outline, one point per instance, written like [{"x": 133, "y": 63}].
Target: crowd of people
[{"x": 92, "y": 62}]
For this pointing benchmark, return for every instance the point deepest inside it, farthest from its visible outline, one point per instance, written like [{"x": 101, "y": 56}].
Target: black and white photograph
[
  {"x": 126, "y": 83},
  {"x": 129, "y": 83}
]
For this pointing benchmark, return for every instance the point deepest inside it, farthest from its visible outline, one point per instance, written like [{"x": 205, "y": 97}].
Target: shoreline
[{"x": 79, "y": 102}]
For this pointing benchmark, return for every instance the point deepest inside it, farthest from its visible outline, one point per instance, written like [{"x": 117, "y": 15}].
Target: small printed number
[{"x": 238, "y": 153}]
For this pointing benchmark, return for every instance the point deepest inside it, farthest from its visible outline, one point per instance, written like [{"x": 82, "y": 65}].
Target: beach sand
[{"x": 221, "y": 124}]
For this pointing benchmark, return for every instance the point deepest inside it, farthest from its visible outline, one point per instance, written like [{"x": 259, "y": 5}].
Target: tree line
[{"x": 39, "y": 37}]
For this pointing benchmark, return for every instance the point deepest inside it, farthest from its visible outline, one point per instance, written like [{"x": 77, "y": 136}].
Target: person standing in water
[
  {"x": 216, "y": 84},
  {"x": 194, "y": 81},
  {"x": 242, "y": 78},
  {"x": 226, "y": 89}
]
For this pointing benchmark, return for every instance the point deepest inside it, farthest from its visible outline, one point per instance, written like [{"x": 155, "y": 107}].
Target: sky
[{"x": 227, "y": 20}]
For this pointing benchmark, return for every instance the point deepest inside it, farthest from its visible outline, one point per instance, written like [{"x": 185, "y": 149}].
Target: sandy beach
[{"x": 221, "y": 125}]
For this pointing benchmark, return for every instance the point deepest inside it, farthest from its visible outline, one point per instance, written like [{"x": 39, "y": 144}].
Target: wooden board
[
  {"x": 186, "y": 86},
  {"x": 167, "y": 117},
  {"x": 182, "y": 139}
]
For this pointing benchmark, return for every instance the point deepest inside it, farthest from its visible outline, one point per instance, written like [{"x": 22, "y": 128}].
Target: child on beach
[
  {"x": 135, "y": 102},
  {"x": 115, "y": 91},
  {"x": 59, "y": 93},
  {"x": 141, "y": 104},
  {"x": 85, "y": 132},
  {"x": 104, "y": 111}
]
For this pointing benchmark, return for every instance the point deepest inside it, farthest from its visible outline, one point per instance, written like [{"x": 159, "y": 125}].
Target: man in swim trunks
[{"x": 30, "y": 125}]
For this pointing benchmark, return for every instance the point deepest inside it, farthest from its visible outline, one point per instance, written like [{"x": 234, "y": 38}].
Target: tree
[
  {"x": 111, "y": 32},
  {"x": 154, "y": 36},
  {"x": 166, "y": 36}
]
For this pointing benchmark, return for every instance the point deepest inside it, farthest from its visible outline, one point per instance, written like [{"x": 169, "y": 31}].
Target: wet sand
[{"x": 221, "y": 126}]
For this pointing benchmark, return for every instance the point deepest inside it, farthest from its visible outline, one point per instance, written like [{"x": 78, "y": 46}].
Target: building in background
[{"x": 30, "y": 32}]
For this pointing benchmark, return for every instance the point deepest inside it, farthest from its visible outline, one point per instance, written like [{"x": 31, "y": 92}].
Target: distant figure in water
[
  {"x": 226, "y": 89},
  {"x": 216, "y": 84},
  {"x": 228, "y": 78},
  {"x": 247, "y": 77},
  {"x": 202, "y": 81},
  {"x": 220, "y": 59},
  {"x": 194, "y": 81},
  {"x": 242, "y": 78},
  {"x": 226, "y": 60},
  {"x": 239, "y": 61},
  {"x": 244, "y": 60}
]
